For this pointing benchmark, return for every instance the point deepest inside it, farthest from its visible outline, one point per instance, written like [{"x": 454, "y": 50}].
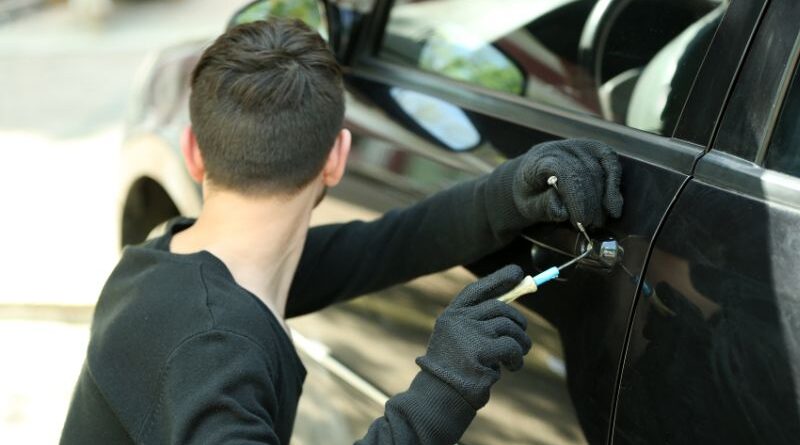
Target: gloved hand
[
  {"x": 588, "y": 175},
  {"x": 475, "y": 335}
]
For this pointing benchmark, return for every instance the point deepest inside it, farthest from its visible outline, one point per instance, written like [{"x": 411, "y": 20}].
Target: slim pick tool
[{"x": 530, "y": 284}]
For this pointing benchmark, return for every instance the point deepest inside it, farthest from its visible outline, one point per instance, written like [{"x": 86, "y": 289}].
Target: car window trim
[
  {"x": 371, "y": 34},
  {"x": 674, "y": 154},
  {"x": 713, "y": 85},
  {"x": 786, "y": 84},
  {"x": 746, "y": 109},
  {"x": 728, "y": 172}
]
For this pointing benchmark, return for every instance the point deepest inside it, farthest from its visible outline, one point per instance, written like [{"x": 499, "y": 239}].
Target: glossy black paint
[
  {"x": 588, "y": 312},
  {"x": 591, "y": 308},
  {"x": 709, "y": 345},
  {"x": 591, "y": 329},
  {"x": 714, "y": 351}
]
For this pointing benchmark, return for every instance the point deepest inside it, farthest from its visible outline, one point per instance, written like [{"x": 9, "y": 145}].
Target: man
[{"x": 189, "y": 343}]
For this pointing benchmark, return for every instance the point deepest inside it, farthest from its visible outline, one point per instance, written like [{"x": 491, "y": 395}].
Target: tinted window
[
  {"x": 784, "y": 153},
  {"x": 629, "y": 62},
  {"x": 306, "y": 10}
]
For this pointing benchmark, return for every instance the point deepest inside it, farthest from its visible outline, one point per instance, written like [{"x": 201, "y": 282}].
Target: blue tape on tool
[
  {"x": 530, "y": 284},
  {"x": 544, "y": 277}
]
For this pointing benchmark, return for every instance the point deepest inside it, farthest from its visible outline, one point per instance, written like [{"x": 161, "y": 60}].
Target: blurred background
[{"x": 66, "y": 76}]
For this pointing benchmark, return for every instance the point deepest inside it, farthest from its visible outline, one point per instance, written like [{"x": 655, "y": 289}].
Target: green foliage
[
  {"x": 305, "y": 10},
  {"x": 485, "y": 66},
  {"x": 500, "y": 78},
  {"x": 256, "y": 11}
]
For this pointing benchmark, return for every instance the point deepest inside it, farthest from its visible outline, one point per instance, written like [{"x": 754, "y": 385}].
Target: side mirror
[
  {"x": 445, "y": 122},
  {"x": 312, "y": 12},
  {"x": 337, "y": 21}
]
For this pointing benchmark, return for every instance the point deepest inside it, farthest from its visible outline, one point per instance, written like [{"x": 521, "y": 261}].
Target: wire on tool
[{"x": 529, "y": 284}]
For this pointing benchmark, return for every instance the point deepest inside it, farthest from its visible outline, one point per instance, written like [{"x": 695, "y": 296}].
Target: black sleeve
[
  {"x": 457, "y": 226},
  {"x": 429, "y": 413},
  {"x": 216, "y": 388}
]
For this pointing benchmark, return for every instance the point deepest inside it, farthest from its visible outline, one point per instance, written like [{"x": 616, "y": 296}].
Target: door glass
[
  {"x": 784, "y": 150},
  {"x": 631, "y": 62},
  {"x": 306, "y": 10}
]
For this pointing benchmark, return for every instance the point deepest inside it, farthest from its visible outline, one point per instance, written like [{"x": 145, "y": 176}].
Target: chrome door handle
[{"x": 606, "y": 253}]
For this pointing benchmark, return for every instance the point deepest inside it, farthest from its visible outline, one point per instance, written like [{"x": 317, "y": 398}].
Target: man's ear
[
  {"x": 337, "y": 159},
  {"x": 192, "y": 156}
]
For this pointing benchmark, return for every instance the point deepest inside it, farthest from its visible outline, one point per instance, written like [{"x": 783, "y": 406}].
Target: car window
[
  {"x": 630, "y": 62},
  {"x": 306, "y": 10},
  {"x": 784, "y": 150}
]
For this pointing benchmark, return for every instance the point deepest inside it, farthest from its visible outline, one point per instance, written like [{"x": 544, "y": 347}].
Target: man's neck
[{"x": 259, "y": 240}]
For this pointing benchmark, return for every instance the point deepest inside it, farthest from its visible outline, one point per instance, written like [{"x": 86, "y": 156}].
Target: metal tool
[
  {"x": 530, "y": 284},
  {"x": 553, "y": 182}
]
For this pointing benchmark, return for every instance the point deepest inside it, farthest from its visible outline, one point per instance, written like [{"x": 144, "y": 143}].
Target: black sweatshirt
[{"x": 179, "y": 353}]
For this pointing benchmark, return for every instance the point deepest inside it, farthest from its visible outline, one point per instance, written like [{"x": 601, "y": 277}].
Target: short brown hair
[{"x": 266, "y": 105}]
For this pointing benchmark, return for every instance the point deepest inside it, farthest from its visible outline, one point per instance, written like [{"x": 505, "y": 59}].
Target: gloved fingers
[
  {"x": 506, "y": 351},
  {"x": 540, "y": 163},
  {"x": 613, "y": 196},
  {"x": 536, "y": 199},
  {"x": 590, "y": 165},
  {"x": 495, "y": 309},
  {"x": 531, "y": 177},
  {"x": 572, "y": 184},
  {"x": 597, "y": 149},
  {"x": 490, "y": 286},
  {"x": 504, "y": 327},
  {"x": 550, "y": 161},
  {"x": 603, "y": 153},
  {"x": 580, "y": 197},
  {"x": 546, "y": 206},
  {"x": 612, "y": 175},
  {"x": 562, "y": 160},
  {"x": 591, "y": 176}
]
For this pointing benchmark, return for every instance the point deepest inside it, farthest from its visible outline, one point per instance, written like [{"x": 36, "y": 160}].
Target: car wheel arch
[{"x": 156, "y": 187}]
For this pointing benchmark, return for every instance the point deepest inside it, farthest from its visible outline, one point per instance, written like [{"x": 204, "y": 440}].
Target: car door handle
[{"x": 556, "y": 243}]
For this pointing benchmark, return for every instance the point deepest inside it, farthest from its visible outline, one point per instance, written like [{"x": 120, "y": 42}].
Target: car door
[
  {"x": 441, "y": 91},
  {"x": 715, "y": 346}
]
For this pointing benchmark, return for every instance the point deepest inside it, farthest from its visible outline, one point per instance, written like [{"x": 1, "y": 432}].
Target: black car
[{"x": 682, "y": 327}]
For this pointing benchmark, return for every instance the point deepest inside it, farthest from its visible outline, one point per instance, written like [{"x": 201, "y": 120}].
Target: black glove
[
  {"x": 588, "y": 175},
  {"x": 475, "y": 335}
]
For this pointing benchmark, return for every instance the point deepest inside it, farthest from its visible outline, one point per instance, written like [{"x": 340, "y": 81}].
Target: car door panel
[
  {"x": 399, "y": 321},
  {"x": 565, "y": 392},
  {"x": 578, "y": 325},
  {"x": 714, "y": 348},
  {"x": 363, "y": 351}
]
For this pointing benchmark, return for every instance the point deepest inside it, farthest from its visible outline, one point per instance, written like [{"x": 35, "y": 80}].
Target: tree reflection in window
[{"x": 482, "y": 65}]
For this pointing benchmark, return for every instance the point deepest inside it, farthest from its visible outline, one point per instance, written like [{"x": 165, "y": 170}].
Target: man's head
[{"x": 267, "y": 108}]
